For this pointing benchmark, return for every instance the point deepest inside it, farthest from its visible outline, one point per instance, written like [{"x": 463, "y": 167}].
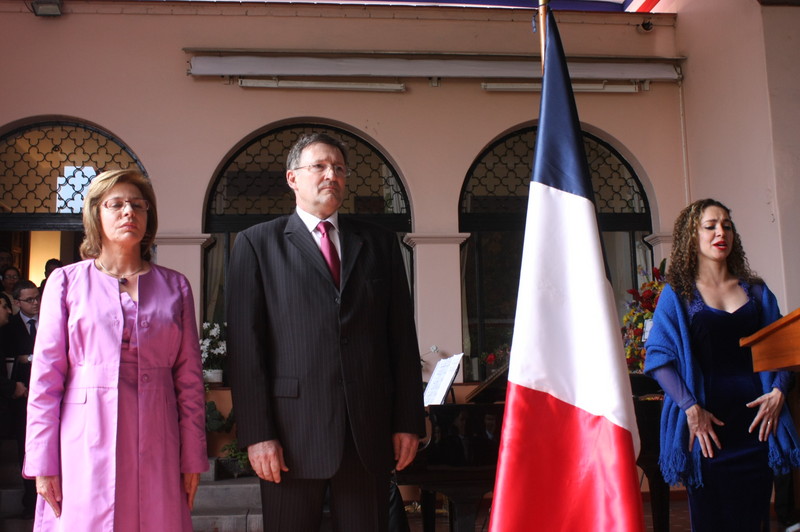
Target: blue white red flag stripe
[{"x": 569, "y": 444}]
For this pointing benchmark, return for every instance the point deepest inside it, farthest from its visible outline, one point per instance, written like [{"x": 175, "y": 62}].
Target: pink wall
[
  {"x": 122, "y": 67},
  {"x": 741, "y": 104}
]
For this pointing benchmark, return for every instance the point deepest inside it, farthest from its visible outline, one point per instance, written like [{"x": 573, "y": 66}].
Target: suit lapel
[
  {"x": 352, "y": 242},
  {"x": 298, "y": 235}
]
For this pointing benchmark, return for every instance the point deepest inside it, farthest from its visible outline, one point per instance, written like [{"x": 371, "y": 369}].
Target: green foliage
[
  {"x": 215, "y": 421},
  {"x": 233, "y": 452}
]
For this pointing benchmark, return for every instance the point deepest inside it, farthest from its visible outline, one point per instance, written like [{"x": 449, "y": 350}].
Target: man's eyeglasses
[
  {"x": 116, "y": 205},
  {"x": 30, "y": 300},
  {"x": 320, "y": 169}
]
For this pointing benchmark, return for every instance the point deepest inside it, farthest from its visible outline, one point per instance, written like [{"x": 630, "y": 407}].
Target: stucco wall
[
  {"x": 741, "y": 121},
  {"x": 122, "y": 66}
]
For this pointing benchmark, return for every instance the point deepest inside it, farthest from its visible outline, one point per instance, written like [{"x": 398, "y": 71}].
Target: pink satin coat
[{"x": 72, "y": 404}]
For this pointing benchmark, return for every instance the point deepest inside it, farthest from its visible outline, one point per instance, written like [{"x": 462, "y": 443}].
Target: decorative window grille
[
  {"x": 46, "y": 168},
  {"x": 493, "y": 207}
]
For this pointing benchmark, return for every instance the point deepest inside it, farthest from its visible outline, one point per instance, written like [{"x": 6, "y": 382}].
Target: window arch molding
[
  {"x": 503, "y": 205},
  {"x": 493, "y": 207},
  {"x": 249, "y": 187}
]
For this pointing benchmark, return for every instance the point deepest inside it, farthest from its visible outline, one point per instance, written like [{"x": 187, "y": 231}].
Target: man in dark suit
[
  {"x": 323, "y": 350},
  {"x": 19, "y": 336}
]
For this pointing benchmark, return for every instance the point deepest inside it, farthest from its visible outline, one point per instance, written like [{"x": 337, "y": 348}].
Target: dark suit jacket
[
  {"x": 18, "y": 342},
  {"x": 306, "y": 357}
]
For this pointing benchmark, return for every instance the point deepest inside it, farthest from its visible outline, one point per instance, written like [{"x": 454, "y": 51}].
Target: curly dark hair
[{"x": 682, "y": 272}]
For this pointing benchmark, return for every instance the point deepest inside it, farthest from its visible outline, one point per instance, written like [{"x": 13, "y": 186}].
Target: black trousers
[
  {"x": 359, "y": 500},
  {"x": 20, "y": 407}
]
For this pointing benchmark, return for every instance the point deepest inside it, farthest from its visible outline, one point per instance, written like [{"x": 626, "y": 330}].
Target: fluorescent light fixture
[
  {"x": 602, "y": 86},
  {"x": 422, "y": 66},
  {"x": 46, "y": 8},
  {"x": 322, "y": 85}
]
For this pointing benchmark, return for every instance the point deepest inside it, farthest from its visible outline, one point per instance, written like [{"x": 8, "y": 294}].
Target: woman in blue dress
[{"x": 724, "y": 428}]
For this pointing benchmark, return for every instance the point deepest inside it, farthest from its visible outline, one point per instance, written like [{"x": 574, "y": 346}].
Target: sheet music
[{"x": 441, "y": 379}]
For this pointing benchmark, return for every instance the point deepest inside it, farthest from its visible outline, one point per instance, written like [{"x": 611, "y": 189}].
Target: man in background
[
  {"x": 19, "y": 336},
  {"x": 49, "y": 266}
]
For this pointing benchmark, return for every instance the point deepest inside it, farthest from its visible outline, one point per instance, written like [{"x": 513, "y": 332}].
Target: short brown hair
[{"x": 92, "y": 241}]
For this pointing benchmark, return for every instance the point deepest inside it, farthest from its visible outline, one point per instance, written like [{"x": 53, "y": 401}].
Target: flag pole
[{"x": 543, "y": 27}]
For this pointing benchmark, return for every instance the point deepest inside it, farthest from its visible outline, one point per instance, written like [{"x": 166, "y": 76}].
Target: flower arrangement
[
  {"x": 498, "y": 357},
  {"x": 213, "y": 348},
  {"x": 640, "y": 311}
]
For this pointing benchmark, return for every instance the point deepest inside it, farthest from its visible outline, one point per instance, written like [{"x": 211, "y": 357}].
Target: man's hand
[
  {"x": 266, "y": 458},
  {"x": 405, "y": 448},
  {"x": 50, "y": 490},
  {"x": 19, "y": 390}
]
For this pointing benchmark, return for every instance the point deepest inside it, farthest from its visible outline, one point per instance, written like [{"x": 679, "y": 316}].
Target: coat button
[
  {"x": 145, "y": 378},
  {"x": 144, "y": 323}
]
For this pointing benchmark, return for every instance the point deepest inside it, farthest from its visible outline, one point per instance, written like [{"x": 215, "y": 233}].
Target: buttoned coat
[
  {"x": 307, "y": 358},
  {"x": 72, "y": 405}
]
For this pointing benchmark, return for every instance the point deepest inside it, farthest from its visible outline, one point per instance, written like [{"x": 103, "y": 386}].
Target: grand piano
[{"x": 459, "y": 458}]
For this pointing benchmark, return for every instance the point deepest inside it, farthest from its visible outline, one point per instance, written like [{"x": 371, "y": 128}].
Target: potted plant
[
  {"x": 234, "y": 463},
  {"x": 220, "y": 430},
  {"x": 213, "y": 350}
]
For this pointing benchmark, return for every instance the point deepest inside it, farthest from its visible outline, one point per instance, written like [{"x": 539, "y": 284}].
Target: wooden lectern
[{"x": 776, "y": 346}]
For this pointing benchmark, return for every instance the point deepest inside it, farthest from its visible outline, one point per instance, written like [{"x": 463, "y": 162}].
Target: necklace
[{"x": 123, "y": 279}]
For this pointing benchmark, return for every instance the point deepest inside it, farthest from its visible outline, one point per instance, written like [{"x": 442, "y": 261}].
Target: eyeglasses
[
  {"x": 30, "y": 300},
  {"x": 116, "y": 205},
  {"x": 320, "y": 169},
  {"x": 11, "y": 276}
]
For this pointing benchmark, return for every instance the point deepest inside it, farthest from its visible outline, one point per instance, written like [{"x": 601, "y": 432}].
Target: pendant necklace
[{"x": 123, "y": 279}]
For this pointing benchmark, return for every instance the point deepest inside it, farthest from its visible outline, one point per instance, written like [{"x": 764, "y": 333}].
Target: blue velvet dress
[{"x": 737, "y": 481}]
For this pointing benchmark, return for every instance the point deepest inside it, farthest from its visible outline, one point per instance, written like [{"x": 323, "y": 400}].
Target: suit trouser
[
  {"x": 359, "y": 500},
  {"x": 20, "y": 420}
]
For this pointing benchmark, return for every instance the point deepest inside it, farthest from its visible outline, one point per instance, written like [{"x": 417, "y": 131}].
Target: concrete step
[
  {"x": 227, "y": 520},
  {"x": 232, "y": 505},
  {"x": 224, "y": 494}
]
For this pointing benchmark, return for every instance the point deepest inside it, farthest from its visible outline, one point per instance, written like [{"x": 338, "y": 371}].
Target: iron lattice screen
[
  {"x": 47, "y": 167},
  {"x": 253, "y": 181},
  {"x": 500, "y": 179}
]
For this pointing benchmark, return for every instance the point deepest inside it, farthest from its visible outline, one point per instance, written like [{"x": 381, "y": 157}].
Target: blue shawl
[{"x": 669, "y": 342}]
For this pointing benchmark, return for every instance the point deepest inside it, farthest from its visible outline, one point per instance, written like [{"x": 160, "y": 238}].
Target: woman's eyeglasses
[{"x": 116, "y": 205}]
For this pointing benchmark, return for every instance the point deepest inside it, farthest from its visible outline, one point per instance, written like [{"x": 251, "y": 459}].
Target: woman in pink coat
[{"x": 116, "y": 408}]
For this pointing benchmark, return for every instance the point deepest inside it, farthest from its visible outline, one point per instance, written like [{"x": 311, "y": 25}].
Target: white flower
[{"x": 213, "y": 348}]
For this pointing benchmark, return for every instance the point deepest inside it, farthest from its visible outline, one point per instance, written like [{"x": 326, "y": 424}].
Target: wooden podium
[{"x": 776, "y": 346}]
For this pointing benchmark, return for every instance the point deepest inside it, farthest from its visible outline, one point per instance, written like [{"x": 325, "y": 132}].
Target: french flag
[{"x": 569, "y": 443}]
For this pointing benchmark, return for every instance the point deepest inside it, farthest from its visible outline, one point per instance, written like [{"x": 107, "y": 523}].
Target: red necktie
[{"x": 329, "y": 251}]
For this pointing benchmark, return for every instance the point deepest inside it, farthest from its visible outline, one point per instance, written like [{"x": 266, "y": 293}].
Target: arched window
[
  {"x": 251, "y": 188},
  {"x": 493, "y": 206},
  {"x": 45, "y": 170}
]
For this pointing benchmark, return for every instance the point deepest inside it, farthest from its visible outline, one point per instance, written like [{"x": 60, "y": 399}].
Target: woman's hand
[
  {"x": 701, "y": 426},
  {"x": 50, "y": 490},
  {"x": 190, "y": 483},
  {"x": 769, "y": 410}
]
